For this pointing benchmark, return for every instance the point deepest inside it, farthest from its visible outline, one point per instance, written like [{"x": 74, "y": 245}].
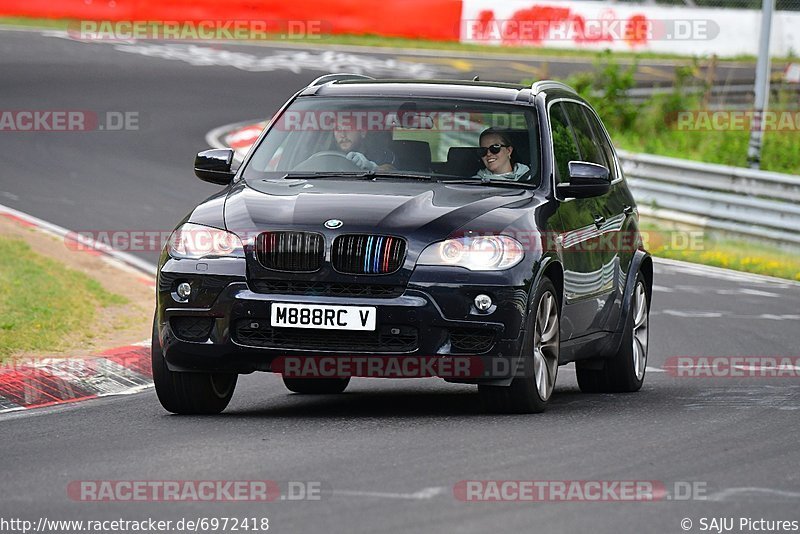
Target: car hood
[{"x": 423, "y": 210}]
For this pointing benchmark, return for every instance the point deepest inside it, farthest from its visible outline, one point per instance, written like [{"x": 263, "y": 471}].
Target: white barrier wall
[{"x": 621, "y": 27}]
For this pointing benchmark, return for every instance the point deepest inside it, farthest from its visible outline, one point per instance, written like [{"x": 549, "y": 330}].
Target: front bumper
[{"x": 224, "y": 327}]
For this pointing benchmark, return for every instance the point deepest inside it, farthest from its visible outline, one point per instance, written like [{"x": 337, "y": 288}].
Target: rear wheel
[
  {"x": 189, "y": 393},
  {"x": 531, "y": 389},
  {"x": 316, "y": 386},
  {"x": 624, "y": 372}
]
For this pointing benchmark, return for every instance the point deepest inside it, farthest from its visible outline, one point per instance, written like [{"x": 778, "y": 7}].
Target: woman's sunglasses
[{"x": 494, "y": 149}]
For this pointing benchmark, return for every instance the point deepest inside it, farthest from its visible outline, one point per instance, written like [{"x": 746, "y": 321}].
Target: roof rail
[
  {"x": 338, "y": 77},
  {"x": 541, "y": 85}
]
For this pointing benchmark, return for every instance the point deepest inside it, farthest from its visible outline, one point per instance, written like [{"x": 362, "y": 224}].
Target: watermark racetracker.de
[
  {"x": 578, "y": 490},
  {"x": 203, "y": 30},
  {"x": 708, "y": 120},
  {"x": 210, "y": 240},
  {"x": 733, "y": 366},
  {"x": 195, "y": 490},
  {"x": 67, "y": 120},
  {"x": 562, "y": 26}
]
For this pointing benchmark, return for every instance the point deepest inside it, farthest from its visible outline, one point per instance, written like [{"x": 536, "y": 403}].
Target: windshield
[{"x": 402, "y": 138}]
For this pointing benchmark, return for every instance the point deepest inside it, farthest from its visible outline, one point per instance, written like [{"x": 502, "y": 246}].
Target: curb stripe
[{"x": 37, "y": 383}]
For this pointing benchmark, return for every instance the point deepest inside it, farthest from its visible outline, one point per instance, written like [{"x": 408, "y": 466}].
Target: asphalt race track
[{"x": 386, "y": 453}]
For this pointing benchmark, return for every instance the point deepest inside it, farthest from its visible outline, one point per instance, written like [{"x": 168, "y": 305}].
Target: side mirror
[
  {"x": 214, "y": 166},
  {"x": 585, "y": 180}
]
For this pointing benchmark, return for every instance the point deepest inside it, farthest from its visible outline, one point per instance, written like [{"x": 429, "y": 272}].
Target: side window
[
  {"x": 589, "y": 148},
  {"x": 602, "y": 142},
  {"x": 564, "y": 147}
]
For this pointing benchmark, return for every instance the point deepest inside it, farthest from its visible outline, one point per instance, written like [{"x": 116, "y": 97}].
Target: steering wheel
[{"x": 327, "y": 160}]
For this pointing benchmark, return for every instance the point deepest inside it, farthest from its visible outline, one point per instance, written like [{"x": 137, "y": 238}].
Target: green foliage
[
  {"x": 606, "y": 87},
  {"x": 43, "y": 302},
  {"x": 651, "y": 126},
  {"x": 737, "y": 254}
]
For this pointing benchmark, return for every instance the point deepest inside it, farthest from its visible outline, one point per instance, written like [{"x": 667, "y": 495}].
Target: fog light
[
  {"x": 184, "y": 290},
  {"x": 483, "y": 302}
]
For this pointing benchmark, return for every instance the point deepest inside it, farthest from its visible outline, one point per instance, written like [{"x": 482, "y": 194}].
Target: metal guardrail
[
  {"x": 751, "y": 203},
  {"x": 721, "y": 96}
]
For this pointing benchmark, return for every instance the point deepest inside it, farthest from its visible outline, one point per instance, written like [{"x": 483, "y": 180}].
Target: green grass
[
  {"x": 780, "y": 151},
  {"x": 401, "y": 42},
  {"x": 653, "y": 127},
  {"x": 655, "y": 131},
  {"x": 43, "y": 303},
  {"x": 55, "y": 24},
  {"x": 717, "y": 251}
]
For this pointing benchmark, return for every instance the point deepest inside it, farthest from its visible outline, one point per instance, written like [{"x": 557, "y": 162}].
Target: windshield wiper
[
  {"x": 442, "y": 178},
  {"x": 367, "y": 175},
  {"x": 482, "y": 181},
  {"x": 410, "y": 175},
  {"x": 326, "y": 174}
]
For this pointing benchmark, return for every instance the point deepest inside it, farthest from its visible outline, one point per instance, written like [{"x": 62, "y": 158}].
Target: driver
[{"x": 350, "y": 141}]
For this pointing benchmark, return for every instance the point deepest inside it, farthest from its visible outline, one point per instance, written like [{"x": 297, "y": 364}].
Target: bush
[
  {"x": 606, "y": 87},
  {"x": 650, "y": 126}
]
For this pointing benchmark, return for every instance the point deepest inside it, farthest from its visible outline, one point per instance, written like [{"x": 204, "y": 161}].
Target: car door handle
[
  {"x": 627, "y": 210},
  {"x": 599, "y": 220}
]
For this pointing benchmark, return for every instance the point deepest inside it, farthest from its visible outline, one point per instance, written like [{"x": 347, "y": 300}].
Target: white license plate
[{"x": 323, "y": 316}]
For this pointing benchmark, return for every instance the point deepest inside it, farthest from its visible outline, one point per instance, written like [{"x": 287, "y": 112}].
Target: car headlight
[
  {"x": 481, "y": 253},
  {"x": 194, "y": 241}
]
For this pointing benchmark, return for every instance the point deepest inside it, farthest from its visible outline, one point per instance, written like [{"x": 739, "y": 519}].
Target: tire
[
  {"x": 189, "y": 393},
  {"x": 316, "y": 386},
  {"x": 624, "y": 372},
  {"x": 530, "y": 390}
]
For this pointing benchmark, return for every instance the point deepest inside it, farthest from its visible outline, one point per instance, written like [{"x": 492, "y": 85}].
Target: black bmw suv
[{"x": 480, "y": 232}]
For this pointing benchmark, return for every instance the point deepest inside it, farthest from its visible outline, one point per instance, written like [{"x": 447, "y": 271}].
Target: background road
[{"x": 387, "y": 452}]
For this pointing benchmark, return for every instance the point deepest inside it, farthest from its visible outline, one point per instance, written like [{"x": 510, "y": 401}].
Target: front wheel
[
  {"x": 531, "y": 389},
  {"x": 624, "y": 372},
  {"x": 189, "y": 393}
]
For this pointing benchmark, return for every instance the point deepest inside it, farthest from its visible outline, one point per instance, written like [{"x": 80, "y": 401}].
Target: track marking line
[
  {"x": 423, "y": 494},
  {"x": 728, "y": 274},
  {"x": 699, "y": 314},
  {"x": 727, "y": 494},
  {"x": 692, "y": 314},
  {"x": 758, "y": 293},
  {"x": 662, "y": 289}
]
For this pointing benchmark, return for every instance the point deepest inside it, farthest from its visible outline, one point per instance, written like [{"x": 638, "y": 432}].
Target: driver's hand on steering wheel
[{"x": 361, "y": 160}]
